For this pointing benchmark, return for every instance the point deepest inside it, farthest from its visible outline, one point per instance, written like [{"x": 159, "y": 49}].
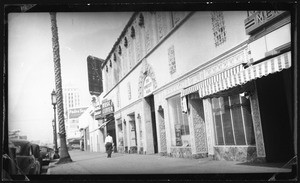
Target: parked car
[
  {"x": 36, "y": 154},
  {"x": 76, "y": 146},
  {"x": 46, "y": 154},
  {"x": 9, "y": 163},
  {"x": 26, "y": 160}
]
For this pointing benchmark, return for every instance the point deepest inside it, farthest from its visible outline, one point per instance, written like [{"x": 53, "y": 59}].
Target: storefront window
[
  {"x": 233, "y": 120},
  {"x": 179, "y": 123}
]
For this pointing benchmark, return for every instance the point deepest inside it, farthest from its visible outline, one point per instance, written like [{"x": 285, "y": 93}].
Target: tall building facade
[
  {"x": 71, "y": 100},
  {"x": 202, "y": 84}
]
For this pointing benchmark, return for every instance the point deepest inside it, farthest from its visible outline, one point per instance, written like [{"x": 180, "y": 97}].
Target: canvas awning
[
  {"x": 239, "y": 75},
  {"x": 103, "y": 125}
]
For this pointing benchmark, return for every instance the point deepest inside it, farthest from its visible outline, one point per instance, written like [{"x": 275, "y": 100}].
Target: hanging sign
[
  {"x": 148, "y": 86},
  {"x": 184, "y": 104},
  {"x": 107, "y": 107},
  {"x": 76, "y": 112},
  {"x": 95, "y": 75},
  {"x": 98, "y": 112}
]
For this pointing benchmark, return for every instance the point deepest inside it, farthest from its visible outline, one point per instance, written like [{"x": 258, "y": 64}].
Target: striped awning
[{"x": 238, "y": 76}]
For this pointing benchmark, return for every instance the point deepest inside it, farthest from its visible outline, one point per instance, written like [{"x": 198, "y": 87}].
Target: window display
[
  {"x": 233, "y": 120},
  {"x": 179, "y": 123}
]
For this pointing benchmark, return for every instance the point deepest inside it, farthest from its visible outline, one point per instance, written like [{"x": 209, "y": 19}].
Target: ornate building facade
[{"x": 193, "y": 84}]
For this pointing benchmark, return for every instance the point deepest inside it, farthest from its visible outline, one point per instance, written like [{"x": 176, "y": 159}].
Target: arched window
[
  {"x": 125, "y": 42},
  {"x": 120, "y": 50},
  {"x": 115, "y": 57},
  {"x": 132, "y": 34},
  {"x": 110, "y": 64},
  {"x": 141, "y": 20}
]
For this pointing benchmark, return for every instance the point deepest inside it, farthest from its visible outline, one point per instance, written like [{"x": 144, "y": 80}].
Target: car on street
[
  {"x": 27, "y": 158},
  {"x": 9, "y": 163},
  {"x": 73, "y": 146},
  {"x": 36, "y": 154},
  {"x": 46, "y": 154}
]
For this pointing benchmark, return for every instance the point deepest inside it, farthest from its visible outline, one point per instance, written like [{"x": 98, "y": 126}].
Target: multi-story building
[
  {"x": 198, "y": 84},
  {"x": 72, "y": 110},
  {"x": 71, "y": 98},
  {"x": 73, "y": 130}
]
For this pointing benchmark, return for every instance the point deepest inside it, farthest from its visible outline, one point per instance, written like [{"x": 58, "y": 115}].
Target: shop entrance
[
  {"x": 274, "y": 94},
  {"x": 150, "y": 102},
  {"x": 112, "y": 131}
]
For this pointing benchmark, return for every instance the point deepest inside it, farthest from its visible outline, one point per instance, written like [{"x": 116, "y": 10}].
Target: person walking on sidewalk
[{"x": 108, "y": 145}]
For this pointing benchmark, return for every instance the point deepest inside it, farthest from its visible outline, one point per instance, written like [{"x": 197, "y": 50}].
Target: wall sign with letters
[
  {"x": 259, "y": 19},
  {"x": 148, "y": 86},
  {"x": 107, "y": 107}
]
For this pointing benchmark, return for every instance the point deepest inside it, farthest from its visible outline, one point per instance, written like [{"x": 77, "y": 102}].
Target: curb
[{"x": 51, "y": 165}]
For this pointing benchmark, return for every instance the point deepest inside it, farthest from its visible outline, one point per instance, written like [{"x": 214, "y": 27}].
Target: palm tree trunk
[{"x": 63, "y": 151}]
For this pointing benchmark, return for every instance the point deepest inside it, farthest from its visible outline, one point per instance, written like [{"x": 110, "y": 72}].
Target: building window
[
  {"x": 120, "y": 50},
  {"x": 232, "y": 120},
  {"x": 180, "y": 132},
  {"x": 218, "y": 24},
  {"x": 125, "y": 42},
  {"x": 132, "y": 34},
  {"x": 141, "y": 20},
  {"x": 115, "y": 57}
]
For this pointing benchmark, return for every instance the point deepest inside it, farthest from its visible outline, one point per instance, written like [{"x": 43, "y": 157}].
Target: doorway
[
  {"x": 150, "y": 102},
  {"x": 275, "y": 117},
  {"x": 112, "y": 131}
]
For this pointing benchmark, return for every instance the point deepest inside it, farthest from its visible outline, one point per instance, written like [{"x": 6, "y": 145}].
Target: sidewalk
[{"x": 97, "y": 164}]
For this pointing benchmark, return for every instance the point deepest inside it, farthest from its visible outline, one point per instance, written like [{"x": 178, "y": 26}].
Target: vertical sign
[
  {"x": 107, "y": 107},
  {"x": 95, "y": 75},
  {"x": 148, "y": 86}
]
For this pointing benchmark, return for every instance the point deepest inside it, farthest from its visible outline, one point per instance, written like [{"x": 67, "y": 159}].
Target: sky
[{"x": 31, "y": 76}]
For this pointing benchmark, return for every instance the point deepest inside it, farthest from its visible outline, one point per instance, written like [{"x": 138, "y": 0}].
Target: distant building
[
  {"x": 15, "y": 134},
  {"x": 38, "y": 142},
  {"x": 72, "y": 125},
  {"x": 71, "y": 98},
  {"x": 24, "y": 137},
  {"x": 72, "y": 103},
  {"x": 92, "y": 135}
]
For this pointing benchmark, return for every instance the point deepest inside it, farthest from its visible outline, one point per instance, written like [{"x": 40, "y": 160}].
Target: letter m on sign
[{"x": 95, "y": 75}]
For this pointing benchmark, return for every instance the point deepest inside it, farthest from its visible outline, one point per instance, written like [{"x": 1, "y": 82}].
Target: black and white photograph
[{"x": 169, "y": 93}]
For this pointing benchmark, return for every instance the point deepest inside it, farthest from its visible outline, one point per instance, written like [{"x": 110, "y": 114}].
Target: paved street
[{"x": 97, "y": 163}]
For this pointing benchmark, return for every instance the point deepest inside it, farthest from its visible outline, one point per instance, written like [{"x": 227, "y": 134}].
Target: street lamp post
[{"x": 53, "y": 99}]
